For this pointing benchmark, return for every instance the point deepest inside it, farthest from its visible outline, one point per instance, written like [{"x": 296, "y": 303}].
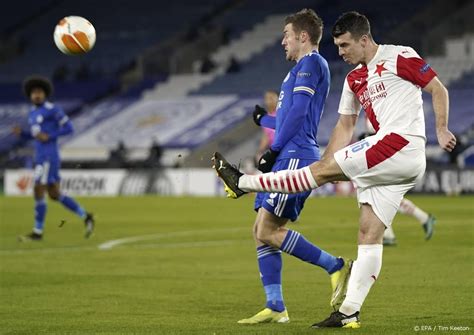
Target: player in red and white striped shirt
[{"x": 387, "y": 84}]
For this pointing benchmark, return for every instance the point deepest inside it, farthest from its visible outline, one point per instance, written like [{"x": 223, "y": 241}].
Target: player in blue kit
[
  {"x": 300, "y": 105},
  {"x": 47, "y": 122}
]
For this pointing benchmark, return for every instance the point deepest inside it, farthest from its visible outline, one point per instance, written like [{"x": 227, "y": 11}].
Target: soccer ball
[{"x": 74, "y": 35}]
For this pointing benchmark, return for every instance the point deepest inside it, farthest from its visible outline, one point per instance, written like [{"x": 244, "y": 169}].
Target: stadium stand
[
  {"x": 118, "y": 84},
  {"x": 117, "y": 48}
]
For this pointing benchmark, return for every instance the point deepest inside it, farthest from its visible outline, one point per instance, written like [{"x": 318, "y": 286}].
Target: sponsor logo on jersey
[
  {"x": 372, "y": 93},
  {"x": 303, "y": 74}
]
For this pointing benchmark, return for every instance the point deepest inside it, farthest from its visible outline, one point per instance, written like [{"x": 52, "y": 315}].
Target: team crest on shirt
[
  {"x": 39, "y": 119},
  {"x": 380, "y": 68}
]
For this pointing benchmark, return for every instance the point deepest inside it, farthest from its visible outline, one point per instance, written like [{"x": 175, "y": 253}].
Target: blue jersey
[
  {"x": 50, "y": 119},
  {"x": 309, "y": 76}
]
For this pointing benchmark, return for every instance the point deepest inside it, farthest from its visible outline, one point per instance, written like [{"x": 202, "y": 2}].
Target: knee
[
  {"x": 54, "y": 196},
  {"x": 263, "y": 235},
  {"x": 370, "y": 235}
]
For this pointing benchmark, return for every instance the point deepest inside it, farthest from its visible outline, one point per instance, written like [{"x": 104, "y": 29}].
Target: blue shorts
[
  {"x": 287, "y": 206},
  {"x": 47, "y": 171}
]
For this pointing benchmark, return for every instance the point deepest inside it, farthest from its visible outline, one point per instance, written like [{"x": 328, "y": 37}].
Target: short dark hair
[
  {"x": 33, "y": 82},
  {"x": 307, "y": 20},
  {"x": 353, "y": 22}
]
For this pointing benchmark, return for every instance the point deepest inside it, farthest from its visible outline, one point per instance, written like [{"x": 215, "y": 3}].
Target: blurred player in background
[
  {"x": 387, "y": 84},
  {"x": 299, "y": 108},
  {"x": 407, "y": 207},
  {"x": 270, "y": 99},
  {"x": 47, "y": 122}
]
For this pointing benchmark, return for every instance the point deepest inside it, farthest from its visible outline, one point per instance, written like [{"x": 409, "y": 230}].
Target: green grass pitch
[{"x": 192, "y": 269}]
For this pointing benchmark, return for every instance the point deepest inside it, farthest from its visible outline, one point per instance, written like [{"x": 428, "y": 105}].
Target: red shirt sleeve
[{"x": 415, "y": 70}]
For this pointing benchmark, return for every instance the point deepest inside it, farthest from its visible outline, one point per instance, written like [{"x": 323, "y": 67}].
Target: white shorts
[{"x": 384, "y": 168}]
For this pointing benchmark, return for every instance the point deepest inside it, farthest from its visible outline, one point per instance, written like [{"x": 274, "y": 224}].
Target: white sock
[
  {"x": 389, "y": 233},
  {"x": 285, "y": 181},
  {"x": 365, "y": 272},
  {"x": 409, "y": 208}
]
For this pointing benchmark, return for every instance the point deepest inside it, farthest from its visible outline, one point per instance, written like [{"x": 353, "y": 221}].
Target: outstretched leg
[{"x": 285, "y": 181}]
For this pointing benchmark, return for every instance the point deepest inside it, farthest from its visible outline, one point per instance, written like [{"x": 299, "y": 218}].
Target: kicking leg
[{"x": 285, "y": 181}]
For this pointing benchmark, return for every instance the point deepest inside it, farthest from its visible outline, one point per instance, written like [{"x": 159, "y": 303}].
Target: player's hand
[
  {"x": 266, "y": 162},
  {"x": 446, "y": 139},
  {"x": 258, "y": 113},
  {"x": 16, "y": 130},
  {"x": 42, "y": 137}
]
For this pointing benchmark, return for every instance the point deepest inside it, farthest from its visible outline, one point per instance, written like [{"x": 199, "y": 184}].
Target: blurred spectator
[
  {"x": 207, "y": 65},
  {"x": 234, "y": 65},
  {"x": 154, "y": 156},
  {"x": 118, "y": 156}
]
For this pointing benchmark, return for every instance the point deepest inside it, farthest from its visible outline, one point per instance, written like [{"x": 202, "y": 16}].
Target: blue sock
[
  {"x": 40, "y": 213},
  {"x": 71, "y": 204},
  {"x": 296, "y": 245},
  {"x": 269, "y": 263}
]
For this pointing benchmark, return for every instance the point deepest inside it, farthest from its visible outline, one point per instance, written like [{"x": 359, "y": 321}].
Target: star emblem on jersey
[{"x": 380, "y": 69}]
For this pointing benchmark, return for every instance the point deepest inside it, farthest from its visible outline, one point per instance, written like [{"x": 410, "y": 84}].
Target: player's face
[
  {"x": 37, "y": 96},
  {"x": 351, "y": 50},
  {"x": 271, "y": 100},
  {"x": 290, "y": 42}
]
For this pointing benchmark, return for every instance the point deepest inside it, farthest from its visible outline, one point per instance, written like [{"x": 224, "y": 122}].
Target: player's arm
[
  {"x": 342, "y": 133},
  {"x": 20, "y": 132},
  {"x": 305, "y": 87},
  {"x": 293, "y": 122},
  {"x": 291, "y": 125},
  {"x": 268, "y": 121},
  {"x": 262, "y": 119},
  {"x": 440, "y": 98},
  {"x": 411, "y": 67},
  {"x": 65, "y": 125}
]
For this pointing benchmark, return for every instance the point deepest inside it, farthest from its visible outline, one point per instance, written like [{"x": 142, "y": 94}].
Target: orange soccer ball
[{"x": 74, "y": 35}]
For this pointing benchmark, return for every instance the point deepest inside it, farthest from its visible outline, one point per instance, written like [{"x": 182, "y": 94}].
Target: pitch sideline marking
[{"x": 113, "y": 243}]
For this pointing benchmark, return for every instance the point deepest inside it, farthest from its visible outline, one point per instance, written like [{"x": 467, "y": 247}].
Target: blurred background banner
[
  {"x": 203, "y": 182},
  {"x": 114, "y": 182}
]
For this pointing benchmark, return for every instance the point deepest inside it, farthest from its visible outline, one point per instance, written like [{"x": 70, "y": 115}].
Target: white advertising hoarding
[
  {"x": 74, "y": 182},
  {"x": 112, "y": 182}
]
